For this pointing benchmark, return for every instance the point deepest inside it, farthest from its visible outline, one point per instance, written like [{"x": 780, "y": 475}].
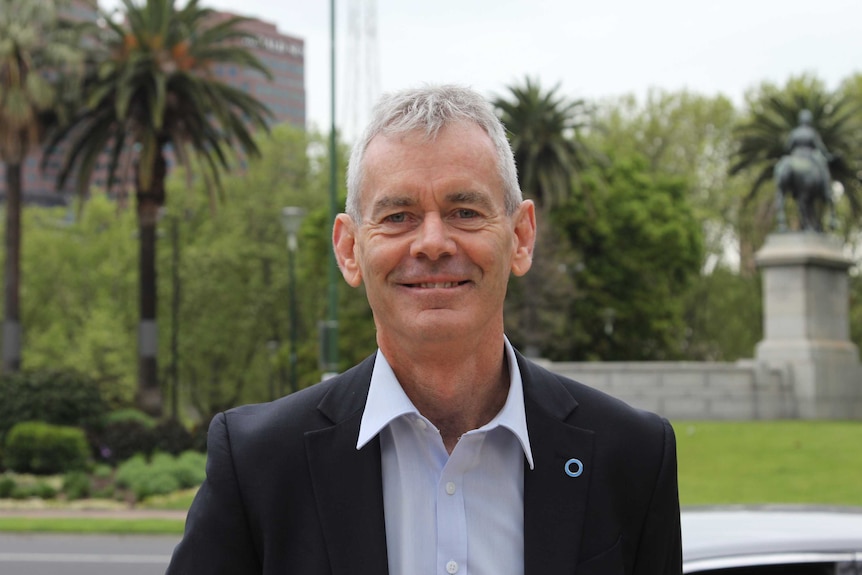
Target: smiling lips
[{"x": 436, "y": 285}]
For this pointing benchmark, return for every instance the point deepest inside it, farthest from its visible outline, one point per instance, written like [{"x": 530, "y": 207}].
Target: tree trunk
[
  {"x": 12, "y": 271},
  {"x": 149, "y": 396}
]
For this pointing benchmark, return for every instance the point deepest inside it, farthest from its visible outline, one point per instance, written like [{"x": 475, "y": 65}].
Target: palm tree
[
  {"x": 152, "y": 89},
  {"x": 36, "y": 53},
  {"x": 543, "y": 132},
  {"x": 544, "y": 129},
  {"x": 774, "y": 112}
]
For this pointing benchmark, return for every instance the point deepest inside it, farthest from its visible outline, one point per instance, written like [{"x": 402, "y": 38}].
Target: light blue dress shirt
[{"x": 449, "y": 514}]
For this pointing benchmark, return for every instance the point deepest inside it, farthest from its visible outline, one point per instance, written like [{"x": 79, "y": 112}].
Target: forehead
[{"x": 460, "y": 151}]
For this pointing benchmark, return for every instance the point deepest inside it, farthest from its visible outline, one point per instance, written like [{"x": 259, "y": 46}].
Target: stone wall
[
  {"x": 805, "y": 367},
  {"x": 692, "y": 390}
]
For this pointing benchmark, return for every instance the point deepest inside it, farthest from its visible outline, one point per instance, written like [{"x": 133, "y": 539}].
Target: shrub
[
  {"x": 43, "y": 491},
  {"x": 129, "y": 415},
  {"x": 42, "y": 448},
  {"x": 123, "y": 439},
  {"x": 103, "y": 471},
  {"x": 58, "y": 397},
  {"x": 172, "y": 437},
  {"x": 128, "y": 470},
  {"x": 199, "y": 437},
  {"x": 162, "y": 475},
  {"x": 106, "y": 492},
  {"x": 154, "y": 481},
  {"x": 190, "y": 469},
  {"x": 7, "y": 486},
  {"x": 76, "y": 485},
  {"x": 39, "y": 489}
]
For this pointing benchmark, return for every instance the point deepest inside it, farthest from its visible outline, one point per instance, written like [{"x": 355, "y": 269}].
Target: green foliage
[
  {"x": 171, "y": 436},
  {"x": 639, "y": 250},
  {"x": 7, "y": 486},
  {"x": 130, "y": 414},
  {"x": 190, "y": 469},
  {"x": 76, "y": 485},
  {"x": 199, "y": 116},
  {"x": 724, "y": 316},
  {"x": 33, "y": 489},
  {"x": 232, "y": 334},
  {"x": 58, "y": 397},
  {"x": 125, "y": 438},
  {"x": 34, "y": 41},
  {"x": 163, "y": 474},
  {"x": 544, "y": 129},
  {"x": 43, "y": 448},
  {"x": 79, "y": 294},
  {"x": 686, "y": 135}
]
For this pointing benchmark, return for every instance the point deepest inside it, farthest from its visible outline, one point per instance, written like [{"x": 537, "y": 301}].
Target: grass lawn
[
  {"x": 816, "y": 462},
  {"x": 88, "y": 525},
  {"x": 770, "y": 462}
]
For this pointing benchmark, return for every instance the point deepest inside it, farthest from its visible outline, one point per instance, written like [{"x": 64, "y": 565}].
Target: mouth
[{"x": 436, "y": 285}]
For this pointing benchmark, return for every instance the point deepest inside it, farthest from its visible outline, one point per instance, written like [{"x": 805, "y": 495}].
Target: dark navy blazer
[{"x": 287, "y": 492}]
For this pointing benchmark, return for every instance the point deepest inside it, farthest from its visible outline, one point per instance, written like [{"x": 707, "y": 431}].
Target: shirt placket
[{"x": 451, "y": 510}]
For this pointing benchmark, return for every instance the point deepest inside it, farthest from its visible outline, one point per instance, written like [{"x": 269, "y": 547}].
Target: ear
[
  {"x": 525, "y": 237},
  {"x": 344, "y": 244}
]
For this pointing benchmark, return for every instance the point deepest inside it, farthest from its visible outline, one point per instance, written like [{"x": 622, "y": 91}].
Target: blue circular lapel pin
[{"x": 577, "y": 465}]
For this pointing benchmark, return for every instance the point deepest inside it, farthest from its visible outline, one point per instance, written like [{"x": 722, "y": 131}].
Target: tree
[
  {"x": 37, "y": 51},
  {"x": 79, "y": 282},
  {"x": 772, "y": 113},
  {"x": 544, "y": 130},
  {"x": 686, "y": 135},
  {"x": 639, "y": 251},
  {"x": 150, "y": 90}
]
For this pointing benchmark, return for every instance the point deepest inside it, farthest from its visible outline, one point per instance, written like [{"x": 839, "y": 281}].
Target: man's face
[{"x": 435, "y": 247}]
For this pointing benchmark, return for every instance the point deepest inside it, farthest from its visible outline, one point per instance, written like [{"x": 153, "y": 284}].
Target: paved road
[{"x": 54, "y": 554}]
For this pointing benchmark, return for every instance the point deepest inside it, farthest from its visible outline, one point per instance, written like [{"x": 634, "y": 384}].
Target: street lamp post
[
  {"x": 291, "y": 218},
  {"x": 329, "y": 328}
]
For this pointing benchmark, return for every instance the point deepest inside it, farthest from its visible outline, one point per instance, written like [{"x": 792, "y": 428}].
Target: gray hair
[{"x": 429, "y": 109}]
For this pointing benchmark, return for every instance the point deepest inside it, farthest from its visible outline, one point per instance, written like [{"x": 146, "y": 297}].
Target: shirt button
[
  {"x": 450, "y": 489},
  {"x": 451, "y": 567},
  {"x": 420, "y": 423}
]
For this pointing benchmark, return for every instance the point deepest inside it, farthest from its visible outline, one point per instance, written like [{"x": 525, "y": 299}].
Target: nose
[{"x": 433, "y": 239}]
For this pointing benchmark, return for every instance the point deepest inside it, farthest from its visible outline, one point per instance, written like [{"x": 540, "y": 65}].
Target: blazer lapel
[
  {"x": 554, "y": 501},
  {"x": 348, "y": 483}
]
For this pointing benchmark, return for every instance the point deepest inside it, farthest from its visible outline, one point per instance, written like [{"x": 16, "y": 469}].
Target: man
[{"x": 446, "y": 452}]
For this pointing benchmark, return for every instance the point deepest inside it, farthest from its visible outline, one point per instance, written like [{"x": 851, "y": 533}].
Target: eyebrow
[
  {"x": 386, "y": 203},
  {"x": 470, "y": 197}
]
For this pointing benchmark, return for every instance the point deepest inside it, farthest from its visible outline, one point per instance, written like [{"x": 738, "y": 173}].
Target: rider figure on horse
[
  {"x": 804, "y": 141},
  {"x": 804, "y": 173}
]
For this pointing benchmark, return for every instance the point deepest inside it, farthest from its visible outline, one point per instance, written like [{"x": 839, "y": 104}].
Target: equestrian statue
[{"x": 803, "y": 174}]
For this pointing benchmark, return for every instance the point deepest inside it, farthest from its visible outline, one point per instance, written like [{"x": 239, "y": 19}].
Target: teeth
[{"x": 438, "y": 285}]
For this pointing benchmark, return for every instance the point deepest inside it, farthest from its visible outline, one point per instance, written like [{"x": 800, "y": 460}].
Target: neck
[{"x": 458, "y": 390}]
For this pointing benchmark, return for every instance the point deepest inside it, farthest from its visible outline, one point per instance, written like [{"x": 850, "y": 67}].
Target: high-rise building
[{"x": 283, "y": 55}]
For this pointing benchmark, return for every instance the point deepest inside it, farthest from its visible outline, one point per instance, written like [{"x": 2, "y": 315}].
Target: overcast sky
[{"x": 593, "y": 49}]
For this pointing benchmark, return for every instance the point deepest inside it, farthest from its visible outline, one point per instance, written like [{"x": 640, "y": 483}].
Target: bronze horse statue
[{"x": 804, "y": 175}]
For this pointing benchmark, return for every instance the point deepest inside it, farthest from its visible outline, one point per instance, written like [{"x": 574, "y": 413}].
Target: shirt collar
[{"x": 387, "y": 401}]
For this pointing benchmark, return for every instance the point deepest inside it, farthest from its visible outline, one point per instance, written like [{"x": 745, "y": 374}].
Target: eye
[
  {"x": 466, "y": 213},
  {"x": 398, "y": 218}
]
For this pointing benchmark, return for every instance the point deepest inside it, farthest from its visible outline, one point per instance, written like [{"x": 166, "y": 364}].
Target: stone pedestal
[{"x": 806, "y": 325}]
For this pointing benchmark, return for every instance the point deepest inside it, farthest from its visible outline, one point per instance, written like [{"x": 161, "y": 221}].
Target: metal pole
[
  {"x": 175, "y": 317},
  {"x": 291, "y": 271},
  {"x": 331, "y": 327}
]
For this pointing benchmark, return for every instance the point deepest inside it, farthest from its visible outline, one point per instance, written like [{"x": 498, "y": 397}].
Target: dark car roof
[{"x": 726, "y": 537}]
